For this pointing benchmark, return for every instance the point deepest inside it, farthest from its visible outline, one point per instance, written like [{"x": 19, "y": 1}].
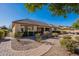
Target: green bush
[
  {"x": 5, "y": 32},
  {"x": 54, "y": 34},
  {"x": 64, "y": 32},
  {"x": 68, "y": 43},
  {"x": 77, "y": 38},
  {"x": 2, "y": 34},
  {"x": 18, "y": 34},
  {"x": 38, "y": 37},
  {"x": 67, "y": 37},
  {"x": 46, "y": 34}
]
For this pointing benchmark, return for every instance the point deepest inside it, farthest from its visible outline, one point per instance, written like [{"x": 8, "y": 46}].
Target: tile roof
[{"x": 29, "y": 21}]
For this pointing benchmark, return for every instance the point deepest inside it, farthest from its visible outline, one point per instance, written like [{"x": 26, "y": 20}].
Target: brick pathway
[
  {"x": 6, "y": 50},
  {"x": 46, "y": 50}
]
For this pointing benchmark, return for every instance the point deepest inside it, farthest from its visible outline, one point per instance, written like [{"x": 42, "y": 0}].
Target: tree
[
  {"x": 58, "y": 9},
  {"x": 76, "y": 24},
  {"x": 4, "y": 27},
  {"x": 10, "y": 28}
]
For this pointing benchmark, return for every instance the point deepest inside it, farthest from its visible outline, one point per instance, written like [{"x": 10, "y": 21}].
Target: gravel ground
[
  {"x": 57, "y": 50},
  {"x": 24, "y": 45}
]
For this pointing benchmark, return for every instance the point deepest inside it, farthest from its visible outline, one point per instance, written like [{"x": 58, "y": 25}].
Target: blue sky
[{"x": 11, "y": 12}]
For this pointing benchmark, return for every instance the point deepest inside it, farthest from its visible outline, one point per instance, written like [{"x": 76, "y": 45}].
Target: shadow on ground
[
  {"x": 42, "y": 37},
  {"x": 4, "y": 40}
]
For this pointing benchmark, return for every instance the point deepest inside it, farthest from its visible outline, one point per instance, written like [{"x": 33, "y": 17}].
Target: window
[
  {"x": 46, "y": 29},
  {"x": 21, "y": 29},
  {"x": 30, "y": 28}
]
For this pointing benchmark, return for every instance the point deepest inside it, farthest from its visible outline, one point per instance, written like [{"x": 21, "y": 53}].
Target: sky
[{"x": 16, "y": 11}]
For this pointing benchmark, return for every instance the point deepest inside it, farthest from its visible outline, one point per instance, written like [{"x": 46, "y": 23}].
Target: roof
[{"x": 29, "y": 21}]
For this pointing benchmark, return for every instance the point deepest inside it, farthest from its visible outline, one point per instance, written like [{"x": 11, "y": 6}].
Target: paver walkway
[
  {"x": 56, "y": 49},
  {"x": 46, "y": 50},
  {"x": 6, "y": 50}
]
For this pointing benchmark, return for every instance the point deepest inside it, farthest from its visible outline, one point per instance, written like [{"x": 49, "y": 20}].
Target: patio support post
[
  {"x": 33, "y": 30},
  {"x": 27, "y": 32},
  {"x": 50, "y": 30},
  {"x": 44, "y": 29}
]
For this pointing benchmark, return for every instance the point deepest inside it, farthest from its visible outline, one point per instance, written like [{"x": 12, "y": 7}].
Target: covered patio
[{"x": 31, "y": 27}]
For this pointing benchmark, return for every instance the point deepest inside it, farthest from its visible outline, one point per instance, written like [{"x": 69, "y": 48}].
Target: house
[
  {"x": 30, "y": 26},
  {"x": 65, "y": 29},
  {"x": 75, "y": 31}
]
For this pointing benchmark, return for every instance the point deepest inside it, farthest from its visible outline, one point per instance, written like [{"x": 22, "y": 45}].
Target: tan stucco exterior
[
  {"x": 22, "y": 27},
  {"x": 17, "y": 28},
  {"x": 30, "y": 28}
]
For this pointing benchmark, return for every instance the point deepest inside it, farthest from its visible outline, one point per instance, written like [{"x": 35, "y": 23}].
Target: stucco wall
[
  {"x": 32, "y": 28},
  {"x": 17, "y": 28},
  {"x": 35, "y": 28}
]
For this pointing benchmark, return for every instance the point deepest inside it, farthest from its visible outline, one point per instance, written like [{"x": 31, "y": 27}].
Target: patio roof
[{"x": 29, "y": 21}]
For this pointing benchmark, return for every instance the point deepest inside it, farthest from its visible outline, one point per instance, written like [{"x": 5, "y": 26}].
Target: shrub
[
  {"x": 68, "y": 43},
  {"x": 64, "y": 32},
  {"x": 25, "y": 34},
  {"x": 1, "y": 34},
  {"x": 38, "y": 37},
  {"x": 77, "y": 38},
  {"x": 54, "y": 34},
  {"x": 18, "y": 34},
  {"x": 5, "y": 32},
  {"x": 46, "y": 34}
]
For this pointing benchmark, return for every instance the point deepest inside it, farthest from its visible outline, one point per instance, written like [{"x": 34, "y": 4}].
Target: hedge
[{"x": 2, "y": 34}]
